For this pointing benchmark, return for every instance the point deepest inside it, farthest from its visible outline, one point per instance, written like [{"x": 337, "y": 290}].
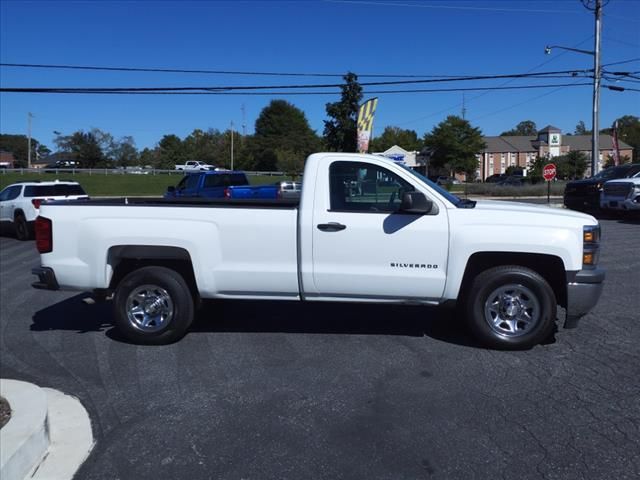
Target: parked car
[
  {"x": 290, "y": 189},
  {"x": 512, "y": 181},
  {"x": 20, "y": 202},
  {"x": 622, "y": 195},
  {"x": 444, "y": 180},
  {"x": 220, "y": 184},
  {"x": 195, "y": 165},
  {"x": 584, "y": 195},
  {"x": 496, "y": 177},
  {"x": 402, "y": 239}
]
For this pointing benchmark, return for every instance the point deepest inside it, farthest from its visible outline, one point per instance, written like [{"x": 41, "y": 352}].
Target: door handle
[{"x": 331, "y": 227}]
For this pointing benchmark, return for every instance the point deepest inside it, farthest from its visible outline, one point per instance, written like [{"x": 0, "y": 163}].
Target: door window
[
  {"x": 10, "y": 193},
  {"x": 190, "y": 182},
  {"x": 363, "y": 187}
]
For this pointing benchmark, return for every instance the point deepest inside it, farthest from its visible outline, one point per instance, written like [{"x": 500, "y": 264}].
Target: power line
[
  {"x": 449, "y": 7},
  {"x": 224, "y": 72},
  {"x": 205, "y": 72},
  {"x": 541, "y": 75},
  {"x": 552, "y": 59},
  {"x": 208, "y": 92},
  {"x": 621, "y": 62}
]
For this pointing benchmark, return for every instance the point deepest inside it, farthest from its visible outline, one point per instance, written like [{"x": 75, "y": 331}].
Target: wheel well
[
  {"x": 550, "y": 267},
  {"x": 18, "y": 213},
  {"x": 124, "y": 259}
]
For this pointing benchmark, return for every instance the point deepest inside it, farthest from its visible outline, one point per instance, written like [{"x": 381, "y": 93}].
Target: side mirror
[
  {"x": 171, "y": 189},
  {"x": 415, "y": 202}
]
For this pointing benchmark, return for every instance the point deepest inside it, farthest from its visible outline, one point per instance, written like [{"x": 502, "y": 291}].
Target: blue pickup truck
[{"x": 220, "y": 184}]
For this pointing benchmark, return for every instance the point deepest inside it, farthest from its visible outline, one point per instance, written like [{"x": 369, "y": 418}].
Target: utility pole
[
  {"x": 595, "y": 138},
  {"x": 244, "y": 125},
  {"x": 464, "y": 108},
  {"x": 29, "y": 117},
  {"x": 231, "y": 144}
]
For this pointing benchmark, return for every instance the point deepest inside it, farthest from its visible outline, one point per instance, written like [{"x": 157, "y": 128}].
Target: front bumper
[
  {"x": 583, "y": 292},
  {"x": 582, "y": 201},
  {"x": 46, "y": 279}
]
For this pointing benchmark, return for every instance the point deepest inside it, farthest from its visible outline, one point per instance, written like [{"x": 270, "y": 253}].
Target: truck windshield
[{"x": 449, "y": 196}]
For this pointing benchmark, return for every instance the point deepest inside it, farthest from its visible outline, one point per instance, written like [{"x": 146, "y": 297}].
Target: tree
[
  {"x": 291, "y": 163},
  {"x": 610, "y": 161},
  {"x": 455, "y": 144},
  {"x": 281, "y": 126},
  {"x": 407, "y": 139},
  {"x": 18, "y": 146},
  {"x": 629, "y": 133},
  {"x": 124, "y": 152},
  {"x": 526, "y": 127},
  {"x": 340, "y": 132},
  {"x": 82, "y": 147},
  {"x": 581, "y": 129},
  {"x": 534, "y": 172},
  {"x": 171, "y": 152},
  {"x": 571, "y": 166}
]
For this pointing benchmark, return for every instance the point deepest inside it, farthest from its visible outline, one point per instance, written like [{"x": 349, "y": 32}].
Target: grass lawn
[{"x": 118, "y": 185}]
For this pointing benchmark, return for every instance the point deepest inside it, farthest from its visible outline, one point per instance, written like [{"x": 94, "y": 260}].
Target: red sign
[{"x": 549, "y": 172}]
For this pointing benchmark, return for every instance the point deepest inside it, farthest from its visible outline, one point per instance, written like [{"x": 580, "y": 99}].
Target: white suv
[{"x": 20, "y": 202}]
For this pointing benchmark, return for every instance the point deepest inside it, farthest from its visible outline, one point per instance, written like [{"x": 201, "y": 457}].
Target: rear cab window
[
  {"x": 225, "y": 180},
  {"x": 58, "y": 190}
]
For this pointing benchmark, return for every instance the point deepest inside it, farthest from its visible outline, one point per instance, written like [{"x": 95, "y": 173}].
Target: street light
[
  {"x": 595, "y": 138},
  {"x": 547, "y": 49}
]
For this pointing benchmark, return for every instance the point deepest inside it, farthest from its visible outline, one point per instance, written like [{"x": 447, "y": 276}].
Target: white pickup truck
[
  {"x": 364, "y": 230},
  {"x": 194, "y": 166}
]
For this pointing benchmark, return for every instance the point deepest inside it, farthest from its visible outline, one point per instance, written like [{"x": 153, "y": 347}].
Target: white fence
[{"x": 114, "y": 171}]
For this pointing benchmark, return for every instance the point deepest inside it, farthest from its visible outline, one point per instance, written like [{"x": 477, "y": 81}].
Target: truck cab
[{"x": 208, "y": 184}]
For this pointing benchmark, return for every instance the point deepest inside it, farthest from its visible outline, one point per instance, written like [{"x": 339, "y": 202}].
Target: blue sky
[{"x": 409, "y": 37}]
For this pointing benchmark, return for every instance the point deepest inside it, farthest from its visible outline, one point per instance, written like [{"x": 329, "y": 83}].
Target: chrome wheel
[
  {"x": 149, "y": 308},
  {"x": 512, "y": 310}
]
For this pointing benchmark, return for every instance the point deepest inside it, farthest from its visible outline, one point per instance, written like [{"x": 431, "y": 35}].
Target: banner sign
[{"x": 365, "y": 123}]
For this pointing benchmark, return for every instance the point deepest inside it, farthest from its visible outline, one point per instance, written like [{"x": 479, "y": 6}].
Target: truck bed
[{"x": 186, "y": 202}]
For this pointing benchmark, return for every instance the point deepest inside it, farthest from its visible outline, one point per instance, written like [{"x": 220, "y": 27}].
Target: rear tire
[
  {"x": 511, "y": 307},
  {"x": 153, "y": 306},
  {"x": 22, "y": 228}
]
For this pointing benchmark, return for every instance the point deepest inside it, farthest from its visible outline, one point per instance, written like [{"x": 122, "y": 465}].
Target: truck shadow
[
  {"x": 74, "y": 314},
  {"x": 332, "y": 318}
]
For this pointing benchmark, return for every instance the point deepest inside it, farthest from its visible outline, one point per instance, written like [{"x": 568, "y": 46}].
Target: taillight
[
  {"x": 36, "y": 202},
  {"x": 227, "y": 193},
  {"x": 44, "y": 235}
]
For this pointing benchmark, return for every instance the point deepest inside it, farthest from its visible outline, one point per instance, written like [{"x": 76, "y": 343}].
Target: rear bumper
[
  {"x": 46, "y": 279},
  {"x": 583, "y": 292}
]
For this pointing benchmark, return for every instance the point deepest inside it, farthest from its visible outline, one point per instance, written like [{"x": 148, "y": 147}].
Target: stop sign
[{"x": 549, "y": 172}]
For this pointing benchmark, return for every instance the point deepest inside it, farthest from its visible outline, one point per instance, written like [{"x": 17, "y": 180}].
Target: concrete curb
[
  {"x": 48, "y": 436},
  {"x": 24, "y": 438}
]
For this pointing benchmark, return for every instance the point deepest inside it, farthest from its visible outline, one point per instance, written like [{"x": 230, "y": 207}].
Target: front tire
[
  {"x": 511, "y": 307},
  {"x": 153, "y": 306}
]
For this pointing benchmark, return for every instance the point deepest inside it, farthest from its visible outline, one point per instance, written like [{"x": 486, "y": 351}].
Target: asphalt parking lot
[{"x": 284, "y": 390}]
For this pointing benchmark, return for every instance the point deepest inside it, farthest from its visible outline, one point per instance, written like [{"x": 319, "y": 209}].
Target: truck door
[{"x": 363, "y": 247}]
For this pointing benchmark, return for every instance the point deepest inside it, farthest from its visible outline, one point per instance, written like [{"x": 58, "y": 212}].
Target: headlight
[{"x": 590, "y": 245}]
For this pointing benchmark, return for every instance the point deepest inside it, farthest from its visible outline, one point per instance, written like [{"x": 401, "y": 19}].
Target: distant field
[{"x": 119, "y": 185}]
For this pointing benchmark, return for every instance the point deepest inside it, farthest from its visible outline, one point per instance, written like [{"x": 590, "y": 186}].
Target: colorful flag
[
  {"x": 616, "y": 148},
  {"x": 365, "y": 123}
]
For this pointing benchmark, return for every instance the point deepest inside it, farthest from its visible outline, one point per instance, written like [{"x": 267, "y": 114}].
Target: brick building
[
  {"x": 7, "y": 160},
  {"x": 503, "y": 152}
]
